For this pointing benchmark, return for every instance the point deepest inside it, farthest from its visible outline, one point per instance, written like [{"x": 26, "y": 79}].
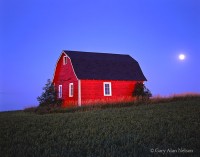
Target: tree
[
  {"x": 141, "y": 91},
  {"x": 49, "y": 96}
]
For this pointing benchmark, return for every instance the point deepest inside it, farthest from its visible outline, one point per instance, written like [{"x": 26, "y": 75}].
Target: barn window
[
  {"x": 71, "y": 90},
  {"x": 107, "y": 89},
  {"x": 64, "y": 60},
  {"x": 60, "y": 91}
]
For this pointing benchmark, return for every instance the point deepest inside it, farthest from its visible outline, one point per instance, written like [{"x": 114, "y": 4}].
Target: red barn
[{"x": 83, "y": 78}]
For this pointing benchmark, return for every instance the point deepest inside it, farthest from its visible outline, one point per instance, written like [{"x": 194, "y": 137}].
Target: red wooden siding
[
  {"x": 92, "y": 91},
  {"x": 64, "y": 75}
]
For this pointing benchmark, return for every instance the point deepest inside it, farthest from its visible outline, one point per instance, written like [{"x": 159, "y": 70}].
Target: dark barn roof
[{"x": 105, "y": 66}]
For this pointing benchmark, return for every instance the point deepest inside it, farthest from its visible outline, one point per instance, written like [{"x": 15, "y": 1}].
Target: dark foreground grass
[{"x": 130, "y": 131}]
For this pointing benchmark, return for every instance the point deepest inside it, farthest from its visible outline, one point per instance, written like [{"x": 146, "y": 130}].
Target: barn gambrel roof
[{"x": 105, "y": 66}]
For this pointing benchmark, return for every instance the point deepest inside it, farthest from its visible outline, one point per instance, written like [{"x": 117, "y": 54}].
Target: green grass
[{"x": 120, "y": 131}]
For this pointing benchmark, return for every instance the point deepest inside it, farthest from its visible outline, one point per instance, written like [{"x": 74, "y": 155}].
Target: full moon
[{"x": 181, "y": 57}]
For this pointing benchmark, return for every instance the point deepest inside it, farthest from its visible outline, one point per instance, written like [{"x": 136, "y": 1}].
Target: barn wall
[
  {"x": 92, "y": 91},
  {"x": 64, "y": 75}
]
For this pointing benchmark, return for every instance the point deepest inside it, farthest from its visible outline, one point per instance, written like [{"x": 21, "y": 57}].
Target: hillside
[{"x": 145, "y": 130}]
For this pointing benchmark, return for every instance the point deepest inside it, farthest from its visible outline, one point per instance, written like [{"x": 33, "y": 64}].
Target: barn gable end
[{"x": 65, "y": 76}]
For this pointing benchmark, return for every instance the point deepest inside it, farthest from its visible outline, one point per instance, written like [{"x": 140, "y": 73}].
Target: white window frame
[
  {"x": 60, "y": 91},
  {"x": 71, "y": 89},
  {"x": 64, "y": 60},
  {"x": 104, "y": 89}
]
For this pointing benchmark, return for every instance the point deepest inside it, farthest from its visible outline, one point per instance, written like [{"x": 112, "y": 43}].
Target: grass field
[{"x": 170, "y": 128}]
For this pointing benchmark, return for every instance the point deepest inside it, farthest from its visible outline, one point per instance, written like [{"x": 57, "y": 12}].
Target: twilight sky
[{"x": 154, "y": 32}]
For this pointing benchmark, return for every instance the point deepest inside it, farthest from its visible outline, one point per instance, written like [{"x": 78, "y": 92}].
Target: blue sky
[{"x": 154, "y": 32}]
